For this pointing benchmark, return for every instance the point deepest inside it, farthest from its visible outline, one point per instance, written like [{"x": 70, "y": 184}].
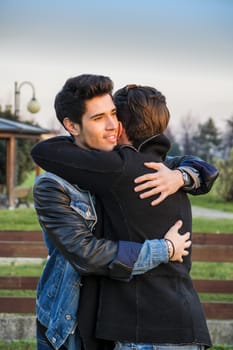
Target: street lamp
[{"x": 33, "y": 105}]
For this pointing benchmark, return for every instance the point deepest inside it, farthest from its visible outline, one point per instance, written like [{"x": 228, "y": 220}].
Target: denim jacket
[{"x": 59, "y": 286}]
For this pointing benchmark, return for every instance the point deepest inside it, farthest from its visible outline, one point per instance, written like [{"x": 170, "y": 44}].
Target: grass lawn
[
  {"x": 29, "y": 344},
  {"x": 19, "y": 219},
  {"x": 212, "y": 225},
  {"x": 26, "y": 219}
]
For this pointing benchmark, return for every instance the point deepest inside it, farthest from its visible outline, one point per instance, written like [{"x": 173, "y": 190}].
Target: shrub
[{"x": 224, "y": 186}]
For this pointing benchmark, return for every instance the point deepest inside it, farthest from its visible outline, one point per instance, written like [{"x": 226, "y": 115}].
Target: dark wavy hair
[{"x": 70, "y": 101}]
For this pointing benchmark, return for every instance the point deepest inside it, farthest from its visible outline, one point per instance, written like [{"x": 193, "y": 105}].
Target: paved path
[{"x": 210, "y": 213}]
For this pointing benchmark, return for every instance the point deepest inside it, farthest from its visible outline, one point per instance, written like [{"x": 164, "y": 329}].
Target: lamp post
[{"x": 33, "y": 105}]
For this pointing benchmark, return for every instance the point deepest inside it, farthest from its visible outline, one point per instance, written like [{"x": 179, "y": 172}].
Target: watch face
[{"x": 186, "y": 178}]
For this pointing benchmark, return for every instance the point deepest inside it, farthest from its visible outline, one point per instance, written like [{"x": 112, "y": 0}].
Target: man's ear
[
  {"x": 71, "y": 127},
  {"x": 122, "y": 137},
  {"x": 120, "y": 128}
]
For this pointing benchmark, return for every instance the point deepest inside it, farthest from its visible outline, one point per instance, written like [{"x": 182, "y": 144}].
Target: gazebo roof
[{"x": 11, "y": 126}]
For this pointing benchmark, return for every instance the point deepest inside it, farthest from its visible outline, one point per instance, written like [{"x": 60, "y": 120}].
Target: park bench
[
  {"x": 207, "y": 247},
  {"x": 21, "y": 195}
]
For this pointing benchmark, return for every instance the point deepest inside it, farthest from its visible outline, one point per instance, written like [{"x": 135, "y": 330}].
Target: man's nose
[{"x": 112, "y": 122}]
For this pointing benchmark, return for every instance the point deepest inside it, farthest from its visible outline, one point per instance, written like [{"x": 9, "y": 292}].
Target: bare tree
[{"x": 188, "y": 129}]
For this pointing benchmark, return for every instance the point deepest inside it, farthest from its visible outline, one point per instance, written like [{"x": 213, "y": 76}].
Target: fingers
[
  {"x": 149, "y": 193},
  {"x": 155, "y": 189},
  {"x": 178, "y": 224},
  {"x": 188, "y": 244},
  {"x": 145, "y": 185},
  {"x": 151, "y": 176},
  {"x": 185, "y": 253},
  {"x": 182, "y": 252},
  {"x": 145, "y": 177},
  {"x": 186, "y": 235},
  {"x": 152, "y": 192},
  {"x": 159, "y": 199},
  {"x": 181, "y": 242},
  {"x": 162, "y": 182}
]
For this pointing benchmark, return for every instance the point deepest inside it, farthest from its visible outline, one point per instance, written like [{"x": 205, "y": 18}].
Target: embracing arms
[
  {"x": 165, "y": 181},
  {"x": 58, "y": 155},
  {"x": 69, "y": 232}
]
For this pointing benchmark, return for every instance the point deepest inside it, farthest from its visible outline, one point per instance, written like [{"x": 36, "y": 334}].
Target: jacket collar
[{"x": 159, "y": 144}]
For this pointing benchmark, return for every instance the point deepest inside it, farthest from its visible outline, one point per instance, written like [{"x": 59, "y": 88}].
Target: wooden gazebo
[{"x": 11, "y": 130}]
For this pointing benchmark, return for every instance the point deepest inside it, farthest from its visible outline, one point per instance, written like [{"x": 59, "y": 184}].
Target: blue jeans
[{"x": 132, "y": 346}]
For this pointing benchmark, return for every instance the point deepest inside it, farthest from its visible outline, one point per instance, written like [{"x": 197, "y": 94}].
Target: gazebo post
[{"x": 10, "y": 169}]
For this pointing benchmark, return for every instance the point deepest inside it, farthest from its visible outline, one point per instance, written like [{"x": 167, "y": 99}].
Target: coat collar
[{"x": 159, "y": 144}]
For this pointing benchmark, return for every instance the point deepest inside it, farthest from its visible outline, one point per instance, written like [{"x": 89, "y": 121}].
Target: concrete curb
[
  {"x": 24, "y": 327},
  {"x": 221, "y": 331},
  {"x": 17, "y": 327}
]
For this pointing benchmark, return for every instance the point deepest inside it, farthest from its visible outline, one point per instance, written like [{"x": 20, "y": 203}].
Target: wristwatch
[{"x": 186, "y": 177}]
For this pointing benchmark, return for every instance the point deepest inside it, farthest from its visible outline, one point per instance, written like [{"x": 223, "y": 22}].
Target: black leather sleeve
[{"x": 70, "y": 234}]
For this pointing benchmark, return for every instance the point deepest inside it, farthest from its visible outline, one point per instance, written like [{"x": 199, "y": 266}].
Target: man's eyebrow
[{"x": 101, "y": 114}]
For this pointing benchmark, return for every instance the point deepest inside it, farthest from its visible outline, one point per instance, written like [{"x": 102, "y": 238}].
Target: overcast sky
[{"x": 184, "y": 48}]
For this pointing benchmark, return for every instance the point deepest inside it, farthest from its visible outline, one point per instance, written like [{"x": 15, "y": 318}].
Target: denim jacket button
[
  {"x": 54, "y": 340},
  {"x": 68, "y": 317}
]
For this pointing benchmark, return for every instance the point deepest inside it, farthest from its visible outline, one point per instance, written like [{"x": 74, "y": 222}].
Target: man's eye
[{"x": 98, "y": 117}]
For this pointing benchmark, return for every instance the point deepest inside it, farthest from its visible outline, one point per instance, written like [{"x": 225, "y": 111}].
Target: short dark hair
[
  {"x": 70, "y": 101},
  {"x": 142, "y": 111}
]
